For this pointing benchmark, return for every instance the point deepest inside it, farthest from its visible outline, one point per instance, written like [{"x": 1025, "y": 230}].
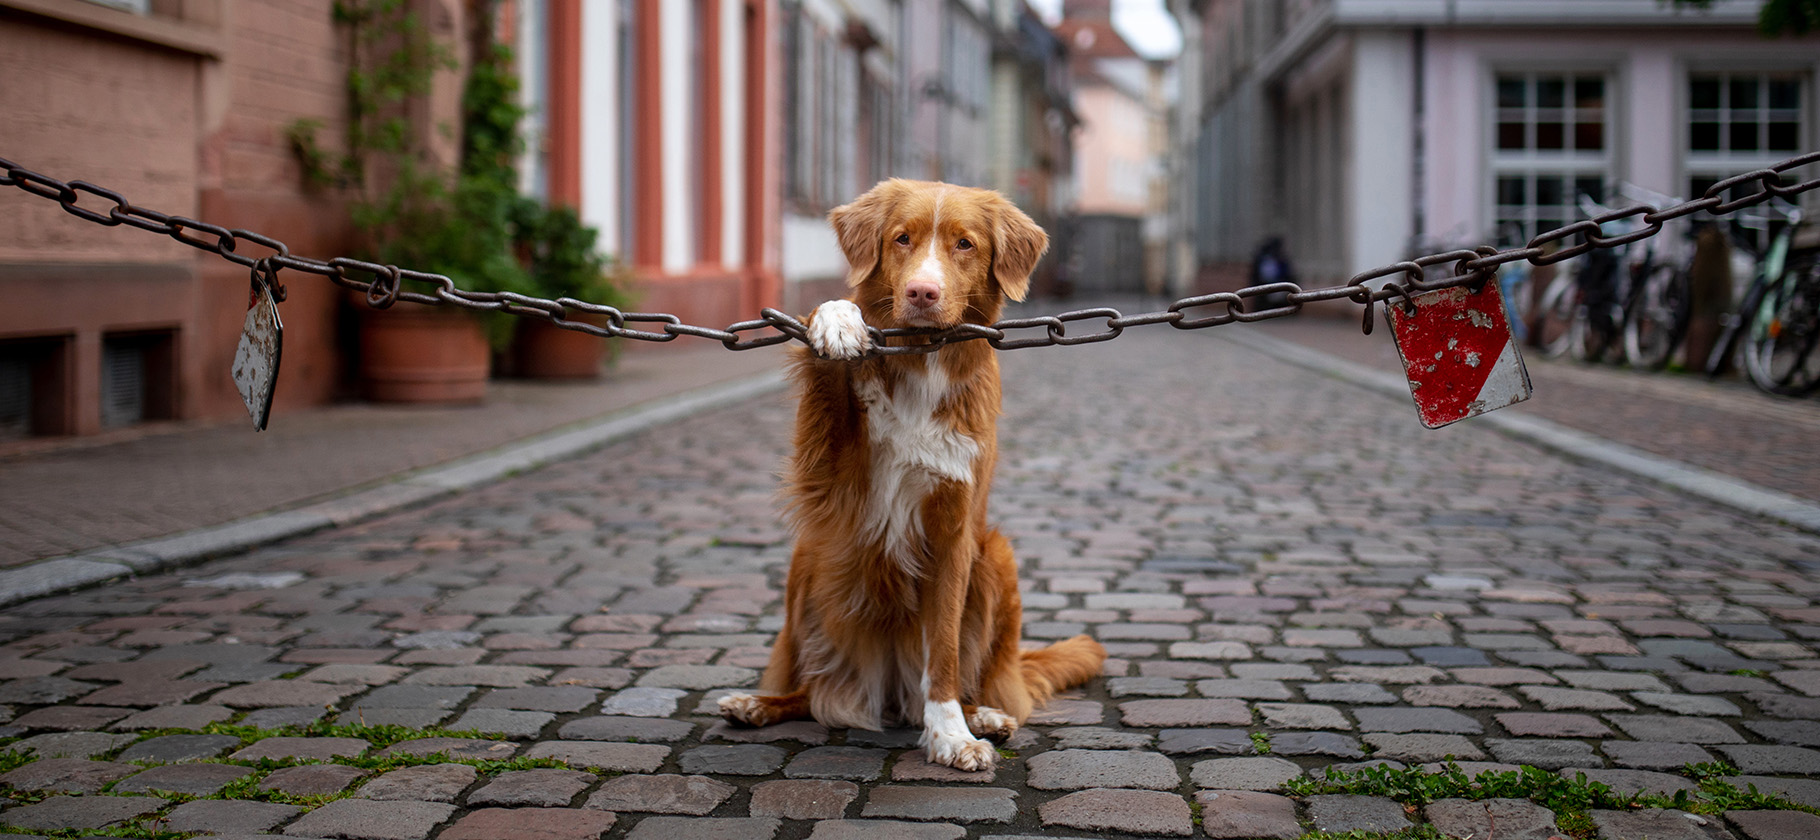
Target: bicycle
[
  {"x": 1659, "y": 307},
  {"x": 1773, "y": 327},
  {"x": 1601, "y": 292},
  {"x": 1780, "y": 358}
]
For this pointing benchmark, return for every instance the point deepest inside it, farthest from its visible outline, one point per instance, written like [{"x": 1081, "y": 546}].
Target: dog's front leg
[{"x": 945, "y": 733}]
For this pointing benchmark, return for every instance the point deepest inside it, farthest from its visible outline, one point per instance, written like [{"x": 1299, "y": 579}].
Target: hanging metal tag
[
  {"x": 1458, "y": 353},
  {"x": 261, "y": 343}
]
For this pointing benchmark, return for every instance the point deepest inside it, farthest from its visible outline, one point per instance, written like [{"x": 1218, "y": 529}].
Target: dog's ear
[
  {"x": 860, "y": 227},
  {"x": 1018, "y": 244}
]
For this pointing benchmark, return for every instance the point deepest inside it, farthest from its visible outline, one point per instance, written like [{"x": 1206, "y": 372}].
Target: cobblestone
[
  {"x": 662, "y": 794},
  {"x": 968, "y": 804},
  {"x": 1077, "y": 769},
  {"x": 1430, "y": 596},
  {"x": 363, "y": 819},
  {"x": 1261, "y": 773},
  {"x": 191, "y": 779},
  {"x": 531, "y": 824},
  {"x": 1340, "y": 814},
  {"x": 803, "y": 799},
  {"x": 1134, "y": 811}
]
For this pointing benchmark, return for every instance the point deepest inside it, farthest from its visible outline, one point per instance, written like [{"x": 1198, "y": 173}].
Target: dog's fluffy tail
[{"x": 1061, "y": 666}]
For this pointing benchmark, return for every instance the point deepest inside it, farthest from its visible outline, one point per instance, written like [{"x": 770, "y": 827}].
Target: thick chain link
[{"x": 384, "y": 284}]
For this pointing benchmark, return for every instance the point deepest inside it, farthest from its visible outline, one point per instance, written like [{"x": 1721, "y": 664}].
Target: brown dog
[{"x": 902, "y": 601}]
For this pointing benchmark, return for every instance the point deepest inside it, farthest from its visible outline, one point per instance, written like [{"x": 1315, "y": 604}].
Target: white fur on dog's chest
[{"x": 911, "y": 449}]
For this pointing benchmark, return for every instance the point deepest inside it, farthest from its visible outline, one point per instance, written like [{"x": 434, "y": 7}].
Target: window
[
  {"x": 137, "y": 378},
  {"x": 1550, "y": 145},
  {"x": 1740, "y": 122},
  {"x": 532, "y": 53},
  {"x": 799, "y": 105},
  {"x": 1743, "y": 115},
  {"x": 626, "y": 99},
  {"x": 33, "y": 383},
  {"x": 1737, "y": 122},
  {"x": 837, "y": 119}
]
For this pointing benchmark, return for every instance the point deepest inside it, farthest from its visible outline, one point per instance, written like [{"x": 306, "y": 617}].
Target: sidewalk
[
  {"x": 1291, "y": 575},
  {"x": 76, "y": 495},
  {"x": 1726, "y": 426}
]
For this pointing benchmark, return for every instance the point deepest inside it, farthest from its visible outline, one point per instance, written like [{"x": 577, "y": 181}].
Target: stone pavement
[
  {"x": 1727, "y": 425},
  {"x": 64, "y": 495},
  {"x": 1290, "y": 573}
]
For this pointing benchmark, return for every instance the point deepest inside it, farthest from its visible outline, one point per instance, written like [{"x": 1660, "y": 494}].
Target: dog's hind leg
[
  {"x": 989, "y": 723},
  {"x": 758, "y": 710}
]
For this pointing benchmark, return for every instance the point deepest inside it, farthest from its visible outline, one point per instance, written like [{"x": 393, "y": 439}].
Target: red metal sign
[{"x": 1458, "y": 353}]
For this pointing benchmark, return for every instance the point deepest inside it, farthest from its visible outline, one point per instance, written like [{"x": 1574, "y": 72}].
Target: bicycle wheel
[
  {"x": 1594, "y": 331},
  {"x": 1657, "y": 321},
  {"x": 1781, "y": 357},
  {"x": 1555, "y": 319}
]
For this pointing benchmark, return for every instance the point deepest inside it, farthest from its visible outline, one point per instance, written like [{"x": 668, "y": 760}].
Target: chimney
[{"x": 1087, "y": 10}]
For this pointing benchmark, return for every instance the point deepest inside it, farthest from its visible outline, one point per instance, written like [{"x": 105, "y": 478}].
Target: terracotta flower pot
[
  {"x": 416, "y": 354},
  {"x": 543, "y": 350}
]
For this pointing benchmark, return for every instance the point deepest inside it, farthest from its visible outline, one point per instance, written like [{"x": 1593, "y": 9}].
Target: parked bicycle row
[{"x": 1706, "y": 295}]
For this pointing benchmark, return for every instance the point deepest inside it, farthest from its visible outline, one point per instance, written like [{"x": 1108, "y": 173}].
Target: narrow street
[{"x": 1290, "y": 573}]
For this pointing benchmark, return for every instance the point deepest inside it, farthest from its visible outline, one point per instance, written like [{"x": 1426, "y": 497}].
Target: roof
[{"x": 1093, "y": 38}]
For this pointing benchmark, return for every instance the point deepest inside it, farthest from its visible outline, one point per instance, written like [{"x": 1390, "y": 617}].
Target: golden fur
[{"x": 901, "y": 597}]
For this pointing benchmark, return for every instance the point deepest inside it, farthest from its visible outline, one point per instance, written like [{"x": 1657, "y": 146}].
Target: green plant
[
  {"x": 564, "y": 257},
  {"x": 1260, "y": 743},
  {"x": 1571, "y": 799},
  {"x": 1414, "y": 832},
  {"x": 469, "y": 224}
]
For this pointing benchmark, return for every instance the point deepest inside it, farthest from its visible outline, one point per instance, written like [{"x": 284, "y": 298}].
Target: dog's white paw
[
  {"x": 960, "y": 752},
  {"x": 949, "y": 743},
  {"x": 837, "y": 331},
  {"x": 742, "y": 709},
  {"x": 991, "y": 724}
]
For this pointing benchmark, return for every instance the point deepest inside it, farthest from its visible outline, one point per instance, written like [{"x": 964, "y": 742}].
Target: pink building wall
[{"x": 1646, "y": 101}]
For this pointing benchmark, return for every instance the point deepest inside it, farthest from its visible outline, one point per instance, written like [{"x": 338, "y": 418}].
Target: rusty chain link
[{"x": 1471, "y": 267}]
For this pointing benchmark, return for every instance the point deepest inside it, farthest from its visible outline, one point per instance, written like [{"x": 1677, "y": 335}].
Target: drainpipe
[{"x": 1418, "y": 140}]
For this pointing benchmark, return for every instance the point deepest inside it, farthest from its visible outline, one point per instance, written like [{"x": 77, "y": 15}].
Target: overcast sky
[{"x": 1145, "y": 24}]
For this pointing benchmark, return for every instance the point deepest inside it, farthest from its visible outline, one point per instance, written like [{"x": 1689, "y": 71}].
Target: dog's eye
[
  {"x": 902, "y": 239},
  {"x": 964, "y": 245}
]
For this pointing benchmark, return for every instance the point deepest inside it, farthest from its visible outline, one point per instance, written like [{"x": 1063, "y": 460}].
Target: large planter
[
  {"x": 542, "y": 350},
  {"x": 415, "y": 354}
]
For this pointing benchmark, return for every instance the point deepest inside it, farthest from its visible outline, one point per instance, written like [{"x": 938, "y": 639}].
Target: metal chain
[{"x": 386, "y": 286}]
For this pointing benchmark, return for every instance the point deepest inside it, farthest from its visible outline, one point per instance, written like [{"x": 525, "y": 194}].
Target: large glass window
[
  {"x": 1737, "y": 122},
  {"x": 1747, "y": 114},
  {"x": 1551, "y": 143}
]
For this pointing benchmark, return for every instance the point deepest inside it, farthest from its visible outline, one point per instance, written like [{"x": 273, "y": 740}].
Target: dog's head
[{"x": 925, "y": 254}]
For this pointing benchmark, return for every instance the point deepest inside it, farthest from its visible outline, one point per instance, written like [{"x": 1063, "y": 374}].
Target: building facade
[
  {"x": 971, "y": 92},
  {"x": 705, "y": 140},
  {"x": 656, "y": 120},
  {"x": 1361, "y": 129},
  {"x": 182, "y": 107},
  {"x": 1115, "y": 238}
]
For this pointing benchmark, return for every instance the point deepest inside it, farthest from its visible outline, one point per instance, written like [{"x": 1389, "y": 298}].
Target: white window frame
[
  {"x": 1531, "y": 164},
  {"x": 1708, "y": 165}
]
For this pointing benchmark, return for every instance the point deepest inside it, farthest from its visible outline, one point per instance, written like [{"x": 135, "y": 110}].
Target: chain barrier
[{"x": 1471, "y": 267}]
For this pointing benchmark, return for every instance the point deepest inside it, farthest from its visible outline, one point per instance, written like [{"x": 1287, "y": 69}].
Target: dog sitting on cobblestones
[{"x": 902, "y": 602}]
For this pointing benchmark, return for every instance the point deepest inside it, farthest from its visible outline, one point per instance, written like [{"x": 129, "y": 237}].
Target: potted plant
[
  {"x": 418, "y": 212},
  {"x": 562, "y": 261},
  {"x": 412, "y": 353}
]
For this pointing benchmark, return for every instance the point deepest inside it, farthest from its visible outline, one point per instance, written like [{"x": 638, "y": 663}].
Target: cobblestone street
[{"x": 1289, "y": 572}]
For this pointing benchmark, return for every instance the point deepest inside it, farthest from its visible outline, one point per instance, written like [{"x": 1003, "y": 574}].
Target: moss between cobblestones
[
  {"x": 247, "y": 788},
  {"x": 1416, "y": 832},
  {"x": 135, "y": 830},
  {"x": 13, "y": 760},
  {"x": 1260, "y": 742},
  {"x": 1571, "y": 800}
]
